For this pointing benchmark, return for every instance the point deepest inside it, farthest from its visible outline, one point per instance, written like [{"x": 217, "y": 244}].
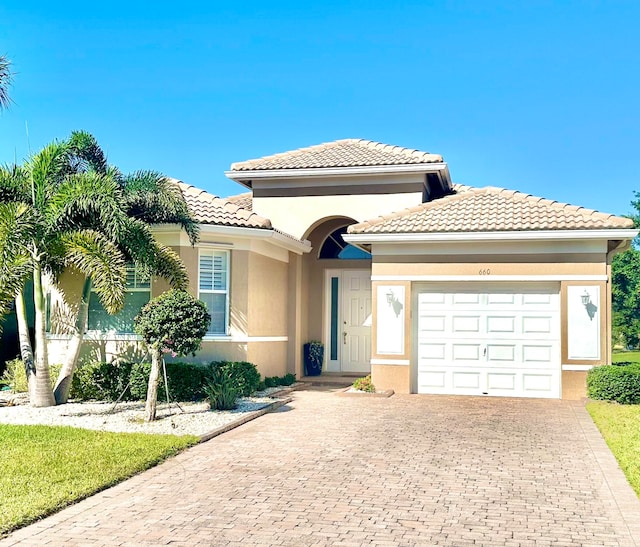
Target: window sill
[{"x": 97, "y": 335}]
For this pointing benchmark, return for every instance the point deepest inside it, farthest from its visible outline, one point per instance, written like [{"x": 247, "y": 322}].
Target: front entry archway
[{"x": 348, "y": 320}]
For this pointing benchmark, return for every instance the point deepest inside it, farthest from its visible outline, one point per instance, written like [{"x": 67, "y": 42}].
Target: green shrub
[
  {"x": 102, "y": 381},
  {"x": 288, "y": 379},
  {"x": 275, "y": 381},
  {"x": 186, "y": 382},
  {"x": 245, "y": 376},
  {"x": 221, "y": 390},
  {"x": 615, "y": 383},
  {"x": 16, "y": 377},
  {"x": 364, "y": 384}
]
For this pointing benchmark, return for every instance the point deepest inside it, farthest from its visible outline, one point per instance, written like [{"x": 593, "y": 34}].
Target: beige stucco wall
[
  {"x": 269, "y": 357},
  {"x": 574, "y": 384},
  {"x": 267, "y": 302},
  {"x": 315, "y": 199},
  {"x": 393, "y": 377}
]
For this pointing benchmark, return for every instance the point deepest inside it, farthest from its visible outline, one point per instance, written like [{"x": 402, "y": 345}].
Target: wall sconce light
[
  {"x": 390, "y": 297},
  {"x": 588, "y": 305}
]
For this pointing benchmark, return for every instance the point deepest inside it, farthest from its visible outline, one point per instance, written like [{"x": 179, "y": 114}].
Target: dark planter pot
[{"x": 313, "y": 363}]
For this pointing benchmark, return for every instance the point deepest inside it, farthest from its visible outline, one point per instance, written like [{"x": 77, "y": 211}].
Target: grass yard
[
  {"x": 626, "y": 357},
  {"x": 620, "y": 427},
  {"x": 43, "y": 469}
]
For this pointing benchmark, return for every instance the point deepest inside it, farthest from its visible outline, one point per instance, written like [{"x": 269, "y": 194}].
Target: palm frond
[
  {"x": 88, "y": 200},
  {"x": 16, "y": 225},
  {"x": 48, "y": 169},
  {"x": 6, "y": 77},
  {"x": 15, "y": 184},
  {"x": 156, "y": 199},
  {"x": 152, "y": 258},
  {"x": 86, "y": 153},
  {"x": 100, "y": 260},
  {"x": 169, "y": 266}
]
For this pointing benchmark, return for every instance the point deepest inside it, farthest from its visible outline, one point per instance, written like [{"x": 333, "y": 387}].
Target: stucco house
[{"x": 431, "y": 286}]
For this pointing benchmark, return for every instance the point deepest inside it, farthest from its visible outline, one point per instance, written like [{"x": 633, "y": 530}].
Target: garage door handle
[{"x": 484, "y": 352}]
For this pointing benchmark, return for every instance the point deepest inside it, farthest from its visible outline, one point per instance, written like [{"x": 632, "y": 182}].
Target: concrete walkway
[{"x": 407, "y": 470}]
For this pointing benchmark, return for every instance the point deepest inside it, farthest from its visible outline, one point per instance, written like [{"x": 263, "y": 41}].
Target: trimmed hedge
[
  {"x": 620, "y": 383},
  {"x": 187, "y": 381},
  {"x": 101, "y": 381}
]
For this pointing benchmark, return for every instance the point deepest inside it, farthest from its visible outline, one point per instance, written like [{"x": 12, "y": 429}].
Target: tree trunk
[
  {"x": 26, "y": 349},
  {"x": 65, "y": 378},
  {"x": 42, "y": 393},
  {"x": 152, "y": 388}
]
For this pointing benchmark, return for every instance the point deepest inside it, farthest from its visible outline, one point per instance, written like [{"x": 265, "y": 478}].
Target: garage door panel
[
  {"x": 537, "y": 353},
  {"x": 465, "y": 380},
  {"x": 502, "y": 341},
  {"x": 539, "y": 383},
  {"x": 501, "y": 352},
  {"x": 462, "y": 323},
  {"x": 501, "y": 324},
  {"x": 532, "y": 324},
  {"x": 501, "y": 298},
  {"x": 466, "y": 298},
  {"x": 432, "y": 352},
  {"x": 502, "y": 381},
  {"x": 465, "y": 352},
  {"x": 433, "y": 323}
]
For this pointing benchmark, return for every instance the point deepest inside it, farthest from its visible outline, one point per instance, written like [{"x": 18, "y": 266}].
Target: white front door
[
  {"x": 348, "y": 339},
  {"x": 490, "y": 339}
]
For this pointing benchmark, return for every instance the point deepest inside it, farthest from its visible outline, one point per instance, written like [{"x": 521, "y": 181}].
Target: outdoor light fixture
[
  {"x": 588, "y": 305},
  {"x": 586, "y": 298},
  {"x": 390, "y": 296}
]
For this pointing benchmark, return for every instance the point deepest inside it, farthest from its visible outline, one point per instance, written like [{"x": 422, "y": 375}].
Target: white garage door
[{"x": 492, "y": 339}]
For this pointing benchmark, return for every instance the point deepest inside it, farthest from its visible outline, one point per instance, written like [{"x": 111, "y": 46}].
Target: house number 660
[{"x": 484, "y": 271}]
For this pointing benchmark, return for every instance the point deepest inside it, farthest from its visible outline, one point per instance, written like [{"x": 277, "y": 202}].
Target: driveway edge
[
  {"x": 245, "y": 418},
  {"x": 623, "y": 495}
]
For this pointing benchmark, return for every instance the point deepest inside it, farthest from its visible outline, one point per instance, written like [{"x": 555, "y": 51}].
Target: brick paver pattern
[{"x": 407, "y": 470}]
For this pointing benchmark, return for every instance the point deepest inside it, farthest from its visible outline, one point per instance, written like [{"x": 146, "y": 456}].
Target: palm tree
[
  {"x": 5, "y": 81},
  {"x": 149, "y": 198},
  {"x": 79, "y": 213}
]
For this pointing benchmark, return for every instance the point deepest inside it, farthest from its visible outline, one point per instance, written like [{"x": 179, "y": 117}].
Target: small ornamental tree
[{"x": 174, "y": 322}]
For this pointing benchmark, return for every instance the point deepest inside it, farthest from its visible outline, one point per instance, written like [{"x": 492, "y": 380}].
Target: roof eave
[
  {"x": 531, "y": 235},
  {"x": 246, "y": 177}
]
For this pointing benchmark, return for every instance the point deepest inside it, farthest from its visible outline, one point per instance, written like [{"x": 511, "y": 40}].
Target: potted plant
[{"x": 313, "y": 357}]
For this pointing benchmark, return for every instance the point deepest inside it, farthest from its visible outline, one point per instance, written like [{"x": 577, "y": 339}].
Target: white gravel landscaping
[{"x": 193, "y": 419}]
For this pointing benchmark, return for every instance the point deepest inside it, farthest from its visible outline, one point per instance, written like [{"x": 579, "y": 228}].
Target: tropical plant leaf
[
  {"x": 154, "y": 199},
  {"x": 100, "y": 260},
  {"x": 91, "y": 200},
  {"x": 16, "y": 224}
]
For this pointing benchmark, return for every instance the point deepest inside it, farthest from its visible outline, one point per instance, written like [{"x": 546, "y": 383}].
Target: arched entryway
[{"x": 338, "y": 281}]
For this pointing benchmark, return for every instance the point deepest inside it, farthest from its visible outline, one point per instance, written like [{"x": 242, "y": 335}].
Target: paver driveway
[{"x": 408, "y": 470}]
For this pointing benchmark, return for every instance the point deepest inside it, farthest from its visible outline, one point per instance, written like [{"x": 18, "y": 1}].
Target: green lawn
[
  {"x": 620, "y": 427},
  {"x": 626, "y": 357},
  {"x": 44, "y": 468}
]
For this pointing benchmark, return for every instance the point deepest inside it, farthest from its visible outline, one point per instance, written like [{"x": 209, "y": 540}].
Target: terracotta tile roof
[
  {"x": 341, "y": 153},
  {"x": 242, "y": 200},
  {"x": 210, "y": 209},
  {"x": 490, "y": 210}
]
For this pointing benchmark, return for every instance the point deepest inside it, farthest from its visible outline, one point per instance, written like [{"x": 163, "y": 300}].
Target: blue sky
[{"x": 541, "y": 97}]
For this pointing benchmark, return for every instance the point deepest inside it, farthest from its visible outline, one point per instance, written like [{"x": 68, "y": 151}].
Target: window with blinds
[
  {"x": 138, "y": 294},
  {"x": 213, "y": 288}
]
